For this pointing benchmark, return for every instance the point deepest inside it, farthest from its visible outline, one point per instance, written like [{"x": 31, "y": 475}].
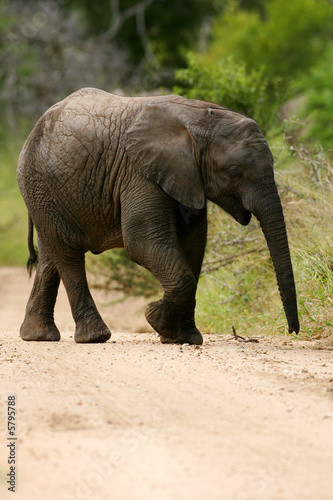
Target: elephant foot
[
  {"x": 192, "y": 337},
  {"x": 36, "y": 331},
  {"x": 158, "y": 316},
  {"x": 91, "y": 332}
]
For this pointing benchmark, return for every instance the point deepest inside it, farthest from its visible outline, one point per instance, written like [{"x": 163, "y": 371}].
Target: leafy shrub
[
  {"x": 231, "y": 85},
  {"x": 319, "y": 102},
  {"x": 288, "y": 39}
]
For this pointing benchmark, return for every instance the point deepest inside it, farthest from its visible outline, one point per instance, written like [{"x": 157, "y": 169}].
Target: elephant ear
[{"x": 160, "y": 146}]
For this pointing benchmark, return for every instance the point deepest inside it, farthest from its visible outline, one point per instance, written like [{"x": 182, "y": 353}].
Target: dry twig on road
[{"x": 239, "y": 338}]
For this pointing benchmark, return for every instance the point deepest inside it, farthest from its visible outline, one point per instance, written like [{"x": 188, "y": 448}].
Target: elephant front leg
[
  {"x": 192, "y": 235},
  {"x": 166, "y": 315},
  {"x": 166, "y": 261},
  {"x": 189, "y": 333},
  {"x": 155, "y": 238}
]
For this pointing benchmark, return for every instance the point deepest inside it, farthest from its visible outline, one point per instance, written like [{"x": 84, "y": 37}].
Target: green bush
[
  {"x": 318, "y": 107},
  {"x": 229, "y": 84},
  {"x": 288, "y": 39}
]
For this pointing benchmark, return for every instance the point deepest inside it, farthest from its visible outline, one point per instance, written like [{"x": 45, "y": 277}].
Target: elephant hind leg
[
  {"x": 90, "y": 328},
  {"x": 39, "y": 323}
]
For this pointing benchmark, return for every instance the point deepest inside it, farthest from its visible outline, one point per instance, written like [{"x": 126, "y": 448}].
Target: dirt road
[{"x": 133, "y": 419}]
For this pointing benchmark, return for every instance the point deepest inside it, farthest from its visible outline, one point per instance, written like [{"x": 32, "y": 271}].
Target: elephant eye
[{"x": 234, "y": 171}]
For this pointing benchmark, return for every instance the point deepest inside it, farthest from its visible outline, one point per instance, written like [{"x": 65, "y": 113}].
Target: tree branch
[
  {"x": 118, "y": 18},
  {"x": 142, "y": 31},
  {"x": 214, "y": 265}
]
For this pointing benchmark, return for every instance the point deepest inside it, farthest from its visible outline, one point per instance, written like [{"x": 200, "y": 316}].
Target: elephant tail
[{"x": 32, "y": 250}]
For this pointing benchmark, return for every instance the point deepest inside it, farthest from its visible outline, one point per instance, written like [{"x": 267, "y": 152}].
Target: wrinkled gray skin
[{"x": 100, "y": 171}]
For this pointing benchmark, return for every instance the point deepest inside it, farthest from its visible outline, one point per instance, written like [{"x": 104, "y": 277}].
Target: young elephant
[{"x": 100, "y": 171}]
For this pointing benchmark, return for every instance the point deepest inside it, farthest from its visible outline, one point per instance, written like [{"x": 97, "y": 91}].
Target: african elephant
[{"x": 99, "y": 171}]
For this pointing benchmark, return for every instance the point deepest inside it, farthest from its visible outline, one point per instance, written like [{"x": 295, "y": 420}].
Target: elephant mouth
[
  {"x": 243, "y": 217},
  {"x": 234, "y": 207},
  {"x": 237, "y": 210}
]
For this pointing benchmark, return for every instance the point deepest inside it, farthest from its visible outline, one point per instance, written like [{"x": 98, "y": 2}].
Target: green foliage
[
  {"x": 293, "y": 42},
  {"x": 318, "y": 107},
  {"x": 288, "y": 38},
  {"x": 231, "y": 85}
]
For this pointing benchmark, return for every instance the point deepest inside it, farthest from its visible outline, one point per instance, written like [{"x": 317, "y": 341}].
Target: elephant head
[{"x": 197, "y": 151}]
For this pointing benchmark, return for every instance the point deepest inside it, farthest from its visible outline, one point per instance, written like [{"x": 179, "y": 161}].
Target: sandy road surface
[{"x": 133, "y": 419}]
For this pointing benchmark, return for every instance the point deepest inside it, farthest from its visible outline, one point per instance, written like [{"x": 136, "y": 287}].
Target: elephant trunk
[{"x": 268, "y": 210}]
